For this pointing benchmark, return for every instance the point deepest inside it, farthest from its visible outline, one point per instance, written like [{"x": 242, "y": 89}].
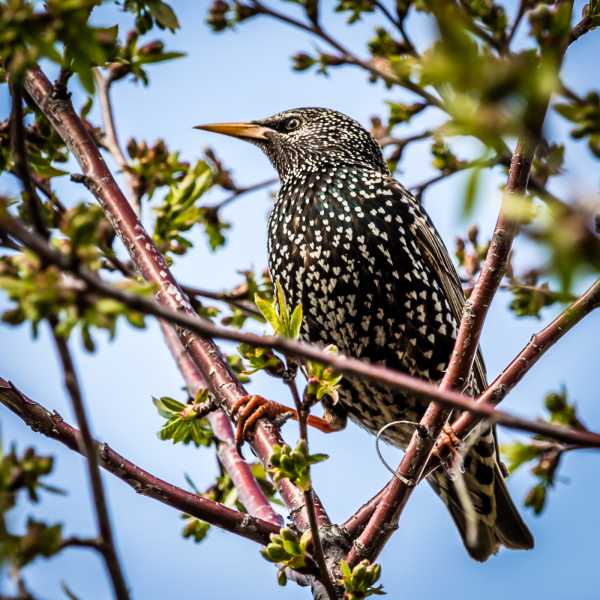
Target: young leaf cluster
[
  {"x": 294, "y": 465},
  {"x": 179, "y": 212},
  {"x": 359, "y": 582},
  {"x": 545, "y": 454},
  {"x": 323, "y": 381},
  {"x": 39, "y": 293},
  {"x": 278, "y": 315},
  {"x": 24, "y": 474},
  {"x": 288, "y": 549},
  {"x": 61, "y": 33},
  {"x": 185, "y": 422}
]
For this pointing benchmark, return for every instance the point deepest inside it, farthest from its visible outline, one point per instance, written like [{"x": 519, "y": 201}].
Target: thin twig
[
  {"x": 153, "y": 268},
  {"x": 343, "y": 364},
  {"x": 53, "y": 426},
  {"x": 111, "y": 140},
  {"x": 347, "y": 57},
  {"x": 586, "y": 24},
  {"x": 399, "y": 24},
  {"x": 523, "y": 7},
  {"x": 403, "y": 142},
  {"x": 19, "y": 152},
  {"x": 241, "y": 191},
  {"x": 303, "y": 411},
  {"x": 481, "y": 33},
  {"x": 89, "y": 450},
  {"x": 77, "y": 542},
  {"x": 248, "y": 489},
  {"x": 419, "y": 189}
]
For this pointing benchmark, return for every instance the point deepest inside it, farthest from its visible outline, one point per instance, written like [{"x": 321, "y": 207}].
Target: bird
[{"x": 353, "y": 246}]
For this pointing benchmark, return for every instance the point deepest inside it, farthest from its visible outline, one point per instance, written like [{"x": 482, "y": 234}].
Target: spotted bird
[{"x": 354, "y": 247}]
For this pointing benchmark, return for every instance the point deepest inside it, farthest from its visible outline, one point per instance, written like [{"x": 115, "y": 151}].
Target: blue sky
[{"x": 242, "y": 75}]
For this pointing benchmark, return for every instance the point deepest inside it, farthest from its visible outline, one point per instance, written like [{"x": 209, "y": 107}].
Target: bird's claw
[
  {"x": 447, "y": 448},
  {"x": 249, "y": 409}
]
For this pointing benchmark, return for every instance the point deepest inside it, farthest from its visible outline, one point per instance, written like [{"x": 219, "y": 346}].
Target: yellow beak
[{"x": 251, "y": 131}]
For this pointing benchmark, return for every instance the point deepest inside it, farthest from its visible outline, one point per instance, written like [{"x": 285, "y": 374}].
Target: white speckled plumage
[{"x": 351, "y": 244}]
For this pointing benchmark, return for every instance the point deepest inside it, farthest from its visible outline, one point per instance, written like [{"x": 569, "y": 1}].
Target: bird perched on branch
[{"x": 352, "y": 245}]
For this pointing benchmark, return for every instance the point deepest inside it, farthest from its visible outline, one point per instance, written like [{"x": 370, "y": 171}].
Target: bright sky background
[{"x": 243, "y": 75}]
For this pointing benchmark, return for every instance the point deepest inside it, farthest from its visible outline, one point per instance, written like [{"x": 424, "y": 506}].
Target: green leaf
[
  {"x": 267, "y": 310},
  {"x": 471, "y": 191},
  {"x": 164, "y": 14},
  {"x": 296, "y": 322}
]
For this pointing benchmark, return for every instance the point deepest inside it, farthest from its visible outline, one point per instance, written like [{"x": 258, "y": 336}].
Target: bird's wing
[{"x": 435, "y": 253}]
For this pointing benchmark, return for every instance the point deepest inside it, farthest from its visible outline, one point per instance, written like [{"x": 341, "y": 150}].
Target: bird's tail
[{"x": 494, "y": 520}]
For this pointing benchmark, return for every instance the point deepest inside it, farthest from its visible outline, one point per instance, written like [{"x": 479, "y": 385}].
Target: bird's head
[{"x": 305, "y": 138}]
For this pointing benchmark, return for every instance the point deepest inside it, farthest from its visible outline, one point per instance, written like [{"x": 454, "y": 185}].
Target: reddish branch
[
  {"x": 206, "y": 356},
  {"x": 343, "y": 364},
  {"x": 384, "y": 519},
  {"x": 249, "y": 491},
  {"x": 501, "y": 386},
  {"x": 111, "y": 139},
  {"x": 88, "y": 448},
  {"x": 539, "y": 343},
  {"x": 53, "y": 426},
  {"x": 21, "y": 166}
]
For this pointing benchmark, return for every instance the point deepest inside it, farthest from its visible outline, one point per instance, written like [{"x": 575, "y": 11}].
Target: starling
[{"x": 354, "y": 247}]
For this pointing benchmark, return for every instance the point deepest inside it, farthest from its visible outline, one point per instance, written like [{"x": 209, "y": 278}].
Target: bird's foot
[
  {"x": 249, "y": 409},
  {"x": 448, "y": 448}
]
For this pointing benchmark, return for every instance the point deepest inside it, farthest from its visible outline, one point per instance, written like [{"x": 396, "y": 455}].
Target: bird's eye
[{"x": 291, "y": 124}]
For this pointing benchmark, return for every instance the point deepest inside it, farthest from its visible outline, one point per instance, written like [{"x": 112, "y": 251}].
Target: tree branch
[
  {"x": 21, "y": 166},
  {"x": 303, "y": 410},
  {"x": 510, "y": 376},
  {"x": 111, "y": 140},
  {"x": 207, "y": 357},
  {"x": 586, "y": 24},
  {"x": 53, "y": 426},
  {"x": 343, "y": 364},
  {"x": 249, "y": 491},
  {"x": 89, "y": 449},
  {"x": 240, "y": 191},
  {"x": 347, "y": 57}
]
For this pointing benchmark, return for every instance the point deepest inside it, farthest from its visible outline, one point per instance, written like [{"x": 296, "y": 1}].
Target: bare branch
[
  {"x": 249, "y": 491},
  {"x": 347, "y": 57},
  {"x": 343, "y": 364},
  {"x": 240, "y": 191},
  {"x": 148, "y": 260},
  {"x": 89, "y": 449},
  {"x": 19, "y": 152},
  {"x": 303, "y": 411},
  {"x": 53, "y": 426},
  {"x": 111, "y": 140}
]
